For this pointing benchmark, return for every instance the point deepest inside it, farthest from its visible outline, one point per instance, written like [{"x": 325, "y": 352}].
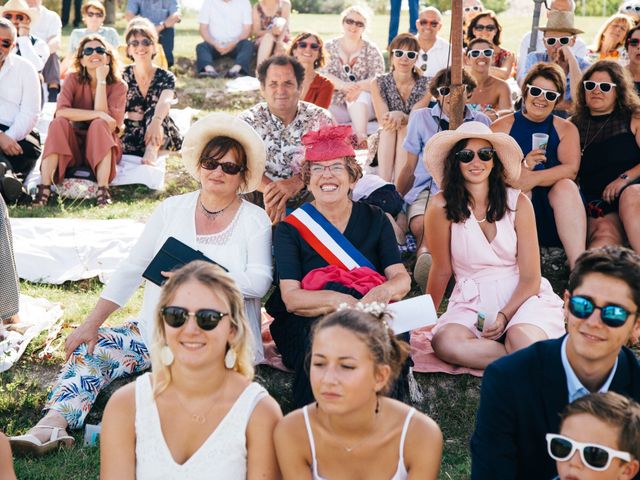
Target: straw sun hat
[
  {"x": 439, "y": 146},
  {"x": 225, "y": 125},
  {"x": 560, "y": 21}
]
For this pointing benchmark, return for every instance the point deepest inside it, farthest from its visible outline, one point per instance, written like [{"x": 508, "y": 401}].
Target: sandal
[
  {"x": 103, "y": 197},
  {"x": 43, "y": 195},
  {"x": 421, "y": 270},
  {"x": 30, "y": 444}
]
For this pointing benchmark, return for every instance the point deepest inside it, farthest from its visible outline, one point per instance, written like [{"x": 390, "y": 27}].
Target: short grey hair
[
  {"x": 432, "y": 10},
  {"x": 7, "y": 25}
]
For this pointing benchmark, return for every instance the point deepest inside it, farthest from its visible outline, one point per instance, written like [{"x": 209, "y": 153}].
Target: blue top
[
  {"x": 522, "y": 131},
  {"x": 157, "y": 11},
  {"x": 537, "y": 57}
]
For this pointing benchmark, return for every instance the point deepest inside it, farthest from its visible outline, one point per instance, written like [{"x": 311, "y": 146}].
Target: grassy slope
[{"x": 451, "y": 401}]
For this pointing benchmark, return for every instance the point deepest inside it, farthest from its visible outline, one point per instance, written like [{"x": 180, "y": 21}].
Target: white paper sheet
[{"x": 412, "y": 313}]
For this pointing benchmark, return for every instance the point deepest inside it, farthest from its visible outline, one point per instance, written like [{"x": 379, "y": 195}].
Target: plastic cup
[
  {"x": 91, "y": 434},
  {"x": 539, "y": 141}
]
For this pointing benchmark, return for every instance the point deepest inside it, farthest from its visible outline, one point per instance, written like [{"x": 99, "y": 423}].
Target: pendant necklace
[
  {"x": 590, "y": 141},
  {"x": 211, "y": 214},
  {"x": 353, "y": 447}
]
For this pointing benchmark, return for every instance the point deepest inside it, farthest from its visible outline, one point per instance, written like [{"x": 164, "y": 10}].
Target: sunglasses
[
  {"x": 312, "y": 46},
  {"x": 465, "y": 156},
  {"x": 476, "y": 53},
  {"x": 350, "y": 76},
  {"x": 206, "y": 318},
  {"x": 88, "y": 51},
  {"x": 611, "y": 315},
  {"x": 550, "y": 95},
  {"x": 633, "y": 42},
  {"x": 94, "y": 14},
  {"x": 551, "y": 41},
  {"x": 351, "y": 21},
  {"x": 444, "y": 91},
  {"x": 482, "y": 28},
  {"x": 6, "y": 43},
  {"x": 145, "y": 42},
  {"x": 229, "y": 168},
  {"x": 18, "y": 16},
  {"x": 433, "y": 23},
  {"x": 410, "y": 54},
  {"x": 475, "y": 8},
  {"x": 596, "y": 457},
  {"x": 604, "y": 87}
]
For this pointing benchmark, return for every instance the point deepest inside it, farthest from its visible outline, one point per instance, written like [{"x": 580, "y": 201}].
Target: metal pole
[
  {"x": 535, "y": 23},
  {"x": 458, "y": 94}
]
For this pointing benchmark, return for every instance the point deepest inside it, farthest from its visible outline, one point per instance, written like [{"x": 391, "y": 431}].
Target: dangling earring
[
  {"x": 166, "y": 355},
  {"x": 377, "y": 410},
  {"x": 230, "y": 358}
]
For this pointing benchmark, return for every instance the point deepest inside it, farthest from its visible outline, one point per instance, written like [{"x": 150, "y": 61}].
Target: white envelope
[{"x": 412, "y": 313}]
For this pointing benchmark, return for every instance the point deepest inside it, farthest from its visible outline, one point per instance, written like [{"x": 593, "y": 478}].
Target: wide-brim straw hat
[
  {"x": 437, "y": 150},
  {"x": 560, "y": 21},
  {"x": 225, "y": 125},
  {"x": 22, "y": 7}
]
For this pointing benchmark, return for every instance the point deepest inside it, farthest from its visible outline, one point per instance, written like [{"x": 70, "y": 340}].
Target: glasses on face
[
  {"x": 5, "y": 43},
  {"x": 206, "y": 318},
  {"x": 604, "y": 87},
  {"x": 596, "y": 457},
  {"x": 551, "y": 41},
  {"x": 445, "y": 91},
  {"x": 229, "y": 168},
  {"x": 351, "y": 21},
  {"x": 487, "y": 52},
  {"x": 88, "y": 51},
  {"x": 432, "y": 23},
  {"x": 475, "y": 8},
  {"x": 465, "y": 156},
  {"x": 611, "y": 315},
  {"x": 145, "y": 42},
  {"x": 335, "y": 169},
  {"x": 95, "y": 14},
  {"x": 550, "y": 95},
  {"x": 17, "y": 16},
  {"x": 350, "y": 75},
  {"x": 312, "y": 46},
  {"x": 482, "y": 28},
  {"x": 410, "y": 54},
  {"x": 633, "y": 42}
]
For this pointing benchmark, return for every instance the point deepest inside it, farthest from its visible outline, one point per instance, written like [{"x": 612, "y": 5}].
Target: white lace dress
[{"x": 222, "y": 456}]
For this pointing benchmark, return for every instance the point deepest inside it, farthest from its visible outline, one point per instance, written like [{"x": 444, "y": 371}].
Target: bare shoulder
[
  {"x": 267, "y": 409},
  {"x": 564, "y": 126},
  {"x": 423, "y": 430},
  {"x": 291, "y": 432},
  {"x": 122, "y": 403},
  {"x": 503, "y": 124},
  {"x": 438, "y": 201},
  {"x": 523, "y": 201}
]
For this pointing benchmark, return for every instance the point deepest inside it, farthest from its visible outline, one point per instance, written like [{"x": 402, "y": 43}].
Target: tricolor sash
[{"x": 326, "y": 239}]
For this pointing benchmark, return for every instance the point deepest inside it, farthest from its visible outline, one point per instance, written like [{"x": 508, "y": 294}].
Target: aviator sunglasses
[
  {"x": 487, "y": 52},
  {"x": 611, "y": 315},
  {"x": 145, "y": 42},
  {"x": 88, "y": 51},
  {"x": 604, "y": 87},
  {"x": 229, "y": 168},
  {"x": 206, "y": 318},
  {"x": 596, "y": 457},
  {"x": 550, "y": 95},
  {"x": 410, "y": 54},
  {"x": 466, "y": 155}
]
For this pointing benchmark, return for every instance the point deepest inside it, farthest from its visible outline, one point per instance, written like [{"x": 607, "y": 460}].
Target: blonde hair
[
  {"x": 616, "y": 18},
  {"x": 220, "y": 282},
  {"x": 359, "y": 8}
]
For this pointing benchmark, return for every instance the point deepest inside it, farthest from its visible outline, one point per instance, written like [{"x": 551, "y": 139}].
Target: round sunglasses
[
  {"x": 487, "y": 52},
  {"x": 466, "y": 155},
  {"x": 88, "y": 51},
  {"x": 482, "y": 28},
  {"x": 611, "y": 315},
  {"x": 229, "y": 168},
  {"x": 145, "y": 42},
  {"x": 551, "y": 41},
  {"x": 312, "y": 45},
  {"x": 410, "y": 54},
  {"x": 604, "y": 87},
  {"x": 594, "y": 456},
  {"x": 550, "y": 95},
  {"x": 206, "y": 318}
]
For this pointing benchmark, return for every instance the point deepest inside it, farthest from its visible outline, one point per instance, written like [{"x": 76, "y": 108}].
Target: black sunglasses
[
  {"x": 206, "y": 318},
  {"x": 605, "y": 87},
  {"x": 466, "y": 155},
  {"x": 18, "y": 16},
  {"x": 551, "y": 41},
  {"x": 6, "y": 43},
  {"x": 633, "y": 42},
  {"x": 95, "y": 14},
  {"x": 433, "y": 23},
  {"x": 87, "y": 51},
  {"x": 351, "y": 21},
  {"x": 488, "y": 28},
  {"x": 350, "y": 76},
  {"x": 550, "y": 95},
  {"x": 611, "y": 315},
  {"x": 487, "y": 52},
  {"x": 229, "y": 168},
  {"x": 594, "y": 456},
  {"x": 145, "y": 42},
  {"x": 312, "y": 46}
]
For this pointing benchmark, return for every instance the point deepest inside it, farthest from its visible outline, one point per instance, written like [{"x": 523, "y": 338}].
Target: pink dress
[{"x": 487, "y": 274}]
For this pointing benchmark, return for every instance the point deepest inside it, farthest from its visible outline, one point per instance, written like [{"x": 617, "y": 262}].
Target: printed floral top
[
  {"x": 391, "y": 96},
  {"x": 367, "y": 64},
  {"x": 283, "y": 143}
]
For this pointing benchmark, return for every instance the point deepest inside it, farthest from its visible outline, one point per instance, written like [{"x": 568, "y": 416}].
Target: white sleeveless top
[
  {"x": 223, "y": 454},
  {"x": 401, "y": 472}
]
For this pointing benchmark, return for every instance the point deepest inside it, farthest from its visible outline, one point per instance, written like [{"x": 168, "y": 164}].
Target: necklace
[
  {"x": 589, "y": 141},
  {"x": 353, "y": 447},
  {"x": 482, "y": 220},
  {"x": 212, "y": 215},
  {"x": 195, "y": 417}
]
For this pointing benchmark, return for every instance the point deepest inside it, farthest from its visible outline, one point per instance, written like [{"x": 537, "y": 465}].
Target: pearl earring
[
  {"x": 166, "y": 356},
  {"x": 230, "y": 358}
]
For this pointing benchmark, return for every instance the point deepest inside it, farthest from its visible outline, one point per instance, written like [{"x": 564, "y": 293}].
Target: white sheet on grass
[{"x": 56, "y": 250}]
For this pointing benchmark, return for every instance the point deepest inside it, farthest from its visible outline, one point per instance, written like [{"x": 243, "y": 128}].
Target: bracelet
[{"x": 504, "y": 315}]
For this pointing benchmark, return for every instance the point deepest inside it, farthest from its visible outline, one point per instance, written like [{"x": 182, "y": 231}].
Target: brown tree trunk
[{"x": 458, "y": 93}]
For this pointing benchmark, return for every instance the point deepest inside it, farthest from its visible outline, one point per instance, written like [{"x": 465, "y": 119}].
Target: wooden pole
[
  {"x": 110, "y": 6},
  {"x": 458, "y": 93}
]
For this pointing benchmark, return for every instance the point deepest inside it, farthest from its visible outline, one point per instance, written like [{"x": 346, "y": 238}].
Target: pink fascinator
[{"x": 331, "y": 141}]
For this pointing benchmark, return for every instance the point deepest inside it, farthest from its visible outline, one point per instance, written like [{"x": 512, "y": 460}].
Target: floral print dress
[{"x": 134, "y": 131}]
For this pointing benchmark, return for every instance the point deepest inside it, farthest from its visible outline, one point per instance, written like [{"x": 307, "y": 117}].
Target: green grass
[{"x": 451, "y": 401}]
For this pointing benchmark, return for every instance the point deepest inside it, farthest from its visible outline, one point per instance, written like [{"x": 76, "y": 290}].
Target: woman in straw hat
[
  {"x": 198, "y": 415},
  {"x": 227, "y": 158},
  {"x": 484, "y": 232}
]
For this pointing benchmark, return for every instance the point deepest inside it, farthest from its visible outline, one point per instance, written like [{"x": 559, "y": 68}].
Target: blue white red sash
[{"x": 326, "y": 239}]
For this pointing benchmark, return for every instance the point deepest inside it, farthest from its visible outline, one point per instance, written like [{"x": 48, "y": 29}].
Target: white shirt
[
  {"x": 225, "y": 19},
  {"x": 437, "y": 57},
  {"x": 19, "y": 96},
  {"x": 246, "y": 254},
  {"x": 579, "y": 49},
  {"x": 33, "y": 49},
  {"x": 48, "y": 25}
]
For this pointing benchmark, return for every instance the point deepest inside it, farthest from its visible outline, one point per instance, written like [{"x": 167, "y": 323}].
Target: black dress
[{"x": 134, "y": 131}]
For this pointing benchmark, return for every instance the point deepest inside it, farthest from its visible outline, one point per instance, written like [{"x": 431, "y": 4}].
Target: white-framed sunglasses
[
  {"x": 604, "y": 87},
  {"x": 550, "y": 95},
  {"x": 594, "y": 456},
  {"x": 551, "y": 41},
  {"x": 487, "y": 52},
  {"x": 410, "y": 54}
]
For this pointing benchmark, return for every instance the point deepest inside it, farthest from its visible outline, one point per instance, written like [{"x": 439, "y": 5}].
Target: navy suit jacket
[{"x": 521, "y": 399}]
